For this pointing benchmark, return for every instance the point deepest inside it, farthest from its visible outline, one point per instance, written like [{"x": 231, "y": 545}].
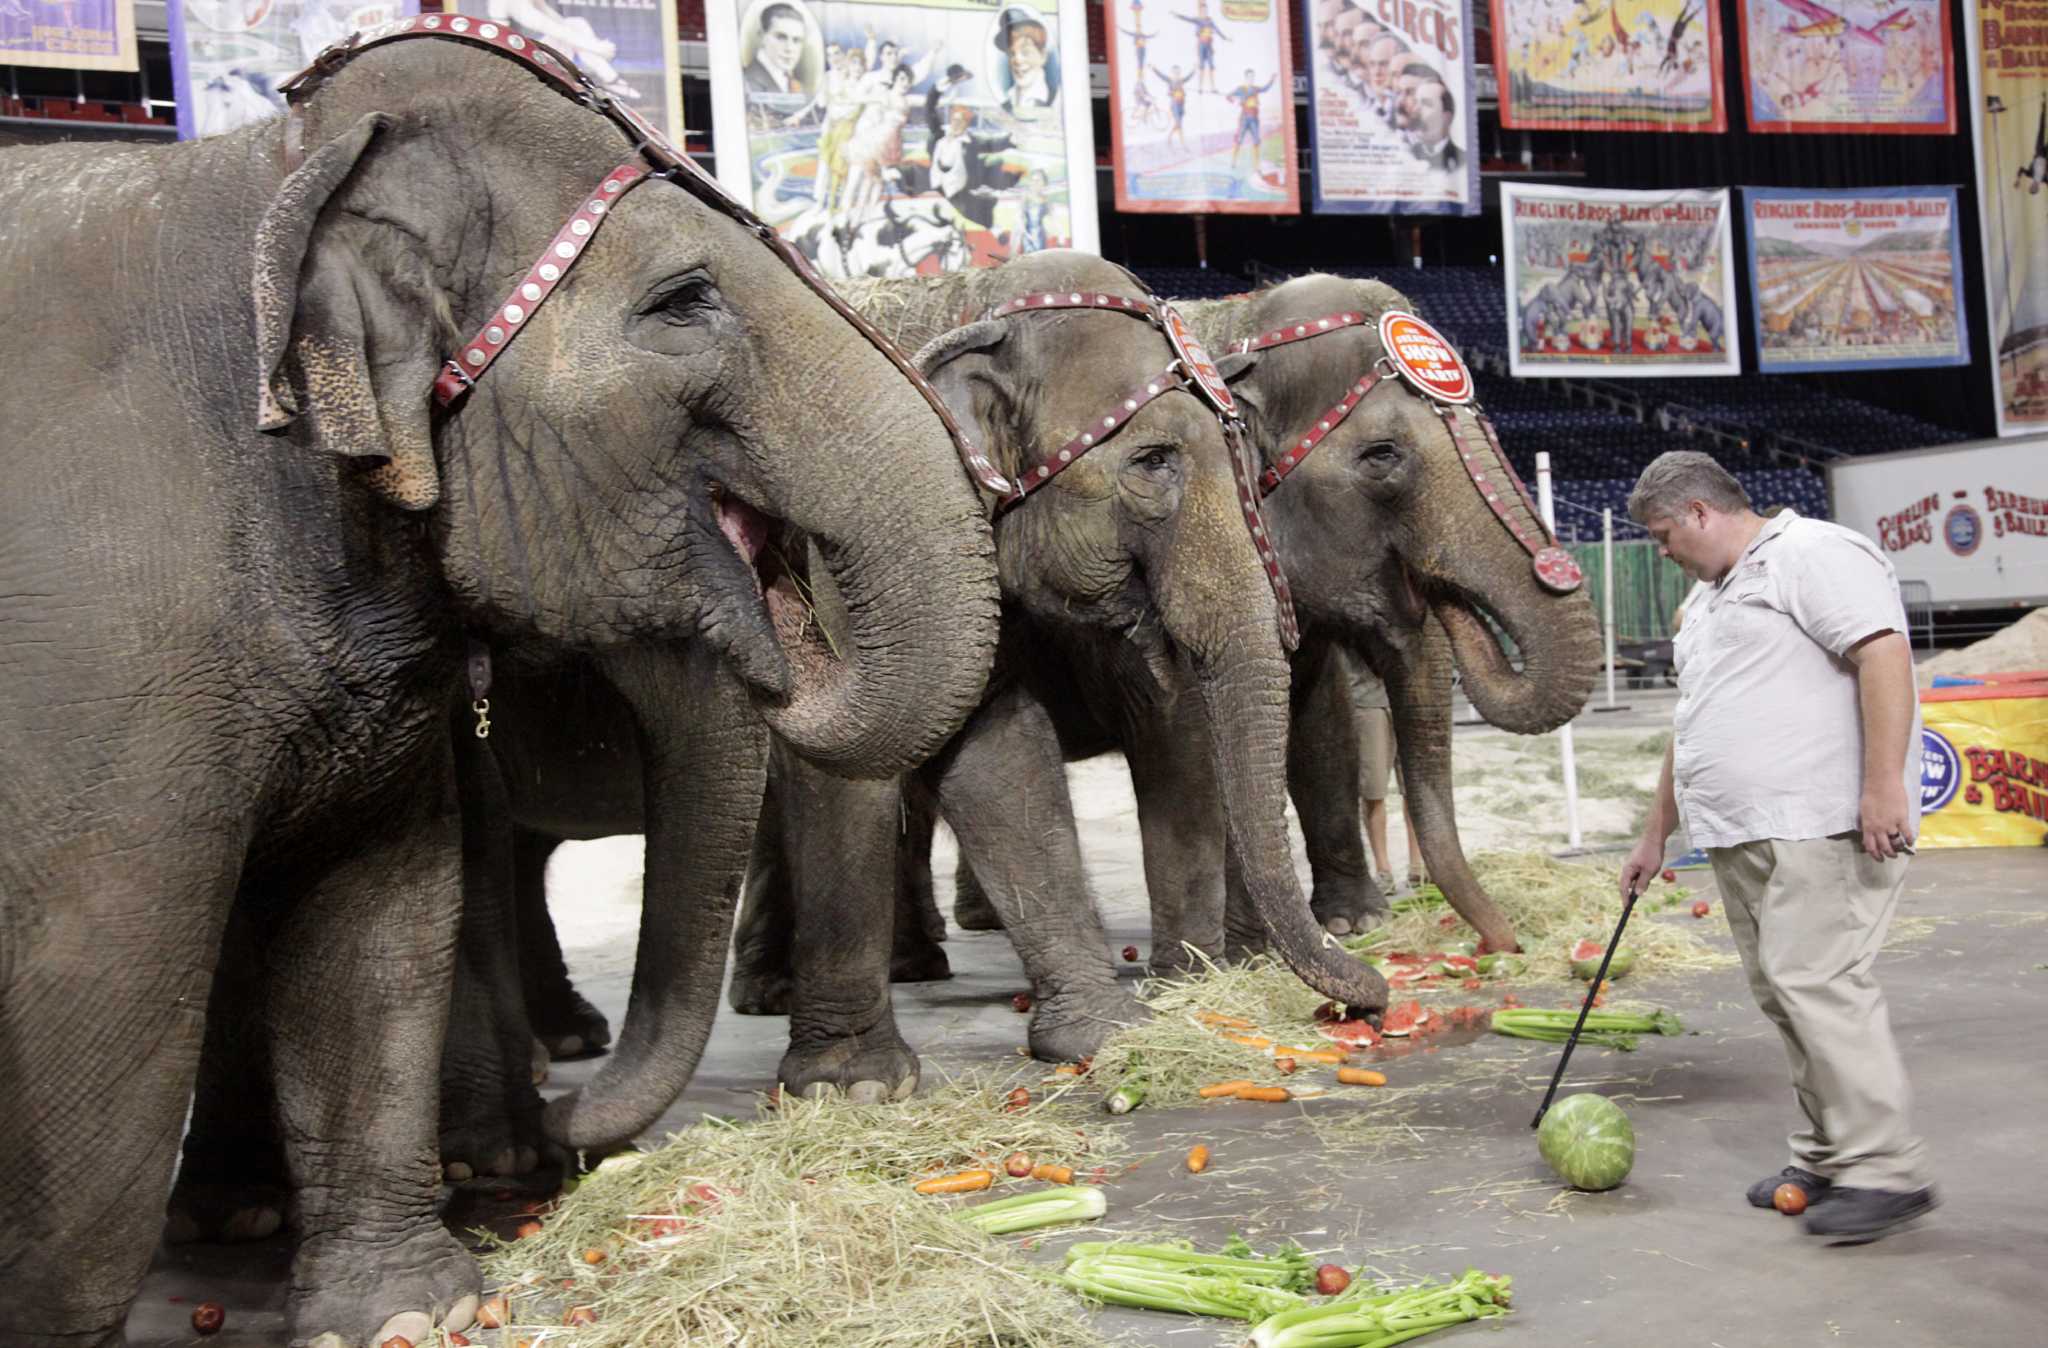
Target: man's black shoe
[
  {"x": 1868, "y": 1214},
  {"x": 1816, "y": 1188}
]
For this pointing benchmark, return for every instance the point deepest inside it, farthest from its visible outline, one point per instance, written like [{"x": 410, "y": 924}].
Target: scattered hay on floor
[{"x": 802, "y": 1228}]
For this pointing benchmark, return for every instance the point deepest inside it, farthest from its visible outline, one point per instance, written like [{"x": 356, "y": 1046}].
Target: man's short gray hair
[{"x": 1679, "y": 476}]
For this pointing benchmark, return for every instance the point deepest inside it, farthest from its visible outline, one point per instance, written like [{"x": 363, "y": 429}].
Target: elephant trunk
[
  {"x": 1419, "y": 689},
  {"x": 704, "y": 757}
]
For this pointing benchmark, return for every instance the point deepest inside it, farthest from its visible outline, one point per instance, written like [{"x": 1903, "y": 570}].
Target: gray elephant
[{"x": 232, "y": 653}]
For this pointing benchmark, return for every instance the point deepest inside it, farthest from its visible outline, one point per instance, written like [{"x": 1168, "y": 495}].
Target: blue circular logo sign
[
  {"x": 1941, "y": 771},
  {"x": 1963, "y": 528}
]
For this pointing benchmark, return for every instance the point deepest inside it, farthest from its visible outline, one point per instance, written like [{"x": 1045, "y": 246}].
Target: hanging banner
[
  {"x": 228, "y": 56},
  {"x": 1609, "y": 65},
  {"x": 1984, "y": 766},
  {"x": 1869, "y": 280},
  {"x": 68, "y": 34},
  {"x": 891, "y": 139},
  {"x": 2009, "y": 93},
  {"x": 1613, "y": 284},
  {"x": 1392, "y": 115},
  {"x": 1878, "y": 67},
  {"x": 1201, "y": 106},
  {"x": 627, "y": 47}
]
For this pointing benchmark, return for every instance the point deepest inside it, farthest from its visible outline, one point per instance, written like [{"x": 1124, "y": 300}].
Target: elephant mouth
[{"x": 778, "y": 557}]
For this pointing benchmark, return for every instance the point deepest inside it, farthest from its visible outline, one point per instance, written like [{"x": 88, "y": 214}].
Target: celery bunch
[
  {"x": 1042, "y": 1207},
  {"x": 1361, "y": 1318},
  {"x": 1235, "y": 1283},
  {"x": 1610, "y": 1029}
]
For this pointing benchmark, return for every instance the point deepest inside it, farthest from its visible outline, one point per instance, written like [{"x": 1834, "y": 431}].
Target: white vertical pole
[
  {"x": 1568, "y": 759},
  {"x": 1607, "y": 592}
]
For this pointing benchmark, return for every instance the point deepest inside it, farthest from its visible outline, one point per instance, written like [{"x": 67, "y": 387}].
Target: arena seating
[{"x": 1194, "y": 283}]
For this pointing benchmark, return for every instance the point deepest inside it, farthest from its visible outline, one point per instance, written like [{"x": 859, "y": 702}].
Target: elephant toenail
[
  {"x": 867, "y": 1093},
  {"x": 412, "y": 1326},
  {"x": 457, "y": 1171},
  {"x": 461, "y": 1315}
]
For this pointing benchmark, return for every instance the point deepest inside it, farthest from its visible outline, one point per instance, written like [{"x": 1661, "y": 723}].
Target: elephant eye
[
  {"x": 1380, "y": 454},
  {"x": 1153, "y": 460},
  {"x": 687, "y": 299}
]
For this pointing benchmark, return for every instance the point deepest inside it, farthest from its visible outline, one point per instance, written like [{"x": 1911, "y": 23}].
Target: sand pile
[{"x": 2022, "y": 646}]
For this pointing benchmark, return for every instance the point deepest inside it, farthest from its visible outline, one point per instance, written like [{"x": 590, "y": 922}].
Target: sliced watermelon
[
  {"x": 1586, "y": 960},
  {"x": 1350, "y": 1033},
  {"x": 1399, "y": 1021}
]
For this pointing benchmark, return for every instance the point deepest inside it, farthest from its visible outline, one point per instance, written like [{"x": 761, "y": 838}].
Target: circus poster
[
  {"x": 1881, "y": 67},
  {"x": 2009, "y": 98},
  {"x": 1613, "y": 284},
  {"x": 1609, "y": 65},
  {"x": 626, "y": 47},
  {"x": 1201, "y": 106},
  {"x": 896, "y": 139},
  {"x": 69, "y": 34},
  {"x": 1393, "y": 115},
  {"x": 227, "y": 58},
  {"x": 1868, "y": 280}
]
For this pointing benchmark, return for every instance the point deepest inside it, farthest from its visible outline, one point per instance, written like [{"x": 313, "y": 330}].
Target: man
[
  {"x": 1140, "y": 39},
  {"x": 773, "y": 69},
  {"x": 960, "y": 156},
  {"x": 1177, "y": 100},
  {"x": 1034, "y": 81},
  {"x": 1376, "y": 764},
  {"x": 1380, "y": 59},
  {"x": 1206, "y": 33},
  {"x": 1246, "y": 96},
  {"x": 1794, "y": 762}
]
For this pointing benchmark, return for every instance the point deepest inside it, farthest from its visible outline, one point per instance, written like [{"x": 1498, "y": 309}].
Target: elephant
[{"x": 244, "y": 550}]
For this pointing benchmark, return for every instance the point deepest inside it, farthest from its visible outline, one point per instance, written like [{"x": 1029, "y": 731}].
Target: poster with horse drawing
[{"x": 1612, "y": 284}]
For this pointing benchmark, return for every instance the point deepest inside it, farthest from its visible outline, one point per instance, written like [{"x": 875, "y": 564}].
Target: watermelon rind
[
  {"x": 1587, "y": 966},
  {"x": 1588, "y": 1141}
]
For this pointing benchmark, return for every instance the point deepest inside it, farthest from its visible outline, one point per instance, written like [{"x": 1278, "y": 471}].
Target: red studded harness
[
  {"x": 1191, "y": 370},
  {"x": 653, "y": 158},
  {"x": 1555, "y": 568}
]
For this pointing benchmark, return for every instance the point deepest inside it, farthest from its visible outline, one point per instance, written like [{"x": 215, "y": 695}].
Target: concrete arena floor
[{"x": 1674, "y": 1257}]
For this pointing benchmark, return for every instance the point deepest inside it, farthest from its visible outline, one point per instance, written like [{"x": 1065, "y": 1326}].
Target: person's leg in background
[{"x": 1375, "y": 760}]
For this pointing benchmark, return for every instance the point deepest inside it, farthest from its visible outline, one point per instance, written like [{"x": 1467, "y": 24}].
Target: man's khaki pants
[{"x": 1809, "y": 917}]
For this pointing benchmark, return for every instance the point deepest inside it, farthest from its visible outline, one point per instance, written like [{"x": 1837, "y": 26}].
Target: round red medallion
[
  {"x": 1425, "y": 357},
  {"x": 1557, "y": 570}
]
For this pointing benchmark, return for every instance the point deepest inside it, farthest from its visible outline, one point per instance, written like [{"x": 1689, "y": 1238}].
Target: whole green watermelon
[{"x": 1588, "y": 1141}]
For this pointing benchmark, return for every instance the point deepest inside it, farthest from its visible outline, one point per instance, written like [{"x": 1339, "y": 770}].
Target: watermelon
[
  {"x": 1586, "y": 961},
  {"x": 1588, "y": 1141}
]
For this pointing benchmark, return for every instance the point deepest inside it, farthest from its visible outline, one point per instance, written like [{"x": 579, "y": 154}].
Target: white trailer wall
[{"x": 1969, "y": 520}]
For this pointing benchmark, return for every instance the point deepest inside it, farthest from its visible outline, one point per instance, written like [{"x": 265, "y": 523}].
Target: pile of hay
[
  {"x": 802, "y": 1227},
  {"x": 2019, "y": 647}
]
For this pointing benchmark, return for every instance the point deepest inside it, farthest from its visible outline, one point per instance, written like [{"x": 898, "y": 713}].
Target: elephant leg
[
  {"x": 1002, "y": 788},
  {"x": 915, "y": 955},
  {"x": 356, "y": 1008},
  {"x": 232, "y": 1182},
  {"x": 563, "y": 1021},
  {"x": 490, "y": 1111},
  {"x": 1323, "y": 753},
  {"x": 1180, "y": 820},
  {"x": 971, "y": 908},
  {"x": 761, "y": 945},
  {"x": 840, "y": 839}
]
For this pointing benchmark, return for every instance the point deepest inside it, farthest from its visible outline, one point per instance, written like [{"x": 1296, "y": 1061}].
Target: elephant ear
[
  {"x": 961, "y": 365},
  {"x": 339, "y": 348},
  {"x": 1239, "y": 369}
]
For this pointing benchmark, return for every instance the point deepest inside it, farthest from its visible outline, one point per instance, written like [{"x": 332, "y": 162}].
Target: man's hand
[
  {"x": 1643, "y": 862},
  {"x": 1882, "y": 814}
]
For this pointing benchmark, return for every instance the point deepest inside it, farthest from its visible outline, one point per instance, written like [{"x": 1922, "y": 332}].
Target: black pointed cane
[{"x": 1627, "y": 906}]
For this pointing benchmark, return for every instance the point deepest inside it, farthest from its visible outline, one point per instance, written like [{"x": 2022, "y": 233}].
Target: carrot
[
  {"x": 1360, "y": 1076},
  {"x": 1249, "y": 1040},
  {"x": 593, "y": 1256},
  {"x": 1221, "y": 1088},
  {"x": 1270, "y": 1094},
  {"x": 1321, "y": 1055},
  {"x": 1053, "y": 1174},
  {"x": 1211, "y": 1018},
  {"x": 963, "y": 1182},
  {"x": 1198, "y": 1159}
]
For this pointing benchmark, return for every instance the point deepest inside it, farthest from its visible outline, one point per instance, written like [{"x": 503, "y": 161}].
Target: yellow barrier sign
[{"x": 1984, "y": 766}]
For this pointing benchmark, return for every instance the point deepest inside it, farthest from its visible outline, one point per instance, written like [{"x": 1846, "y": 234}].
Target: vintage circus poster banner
[
  {"x": 1201, "y": 106},
  {"x": 628, "y": 48},
  {"x": 1609, "y": 65},
  {"x": 1882, "y": 67},
  {"x": 1613, "y": 284},
  {"x": 228, "y": 57},
  {"x": 1392, "y": 116},
  {"x": 69, "y": 34},
  {"x": 2008, "y": 53},
  {"x": 891, "y": 139},
  {"x": 1869, "y": 279}
]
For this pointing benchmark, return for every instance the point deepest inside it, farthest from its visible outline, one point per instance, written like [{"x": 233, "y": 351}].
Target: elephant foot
[
  {"x": 917, "y": 959},
  {"x": 1069, "y": 1026},
  {"x": 207, "y": 1213},
  {"x": 1351, "y": 906},
  {"x": 349, "y": 1292},
  {"x": 971, "y": 908},
  {"x": 484, "y": 1137},
  {"x": 569, "y": 1025},
  {"x": 760, "y": 992},
  {"x": 869, "y": 1067}
]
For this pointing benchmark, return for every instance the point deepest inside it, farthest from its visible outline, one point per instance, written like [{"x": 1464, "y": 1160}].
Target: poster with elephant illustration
[
  {"x": 1868, "y": 279},
  {"x": 1201, "y": 106},
  {"x": 1609, "y": 65},
  {"x": 1395, "y": 124},
  {"x": 1611, "y": 284},
  {"x": 627, "y": 48},
  {"x": 895, "y": 139},
  {"x": 68, "y": 34},
  {"x": 228, "y": 57},
  {"x": 1868, "y": 67}
]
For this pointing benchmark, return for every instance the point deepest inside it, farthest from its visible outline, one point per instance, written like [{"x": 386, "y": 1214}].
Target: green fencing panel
[{"x": 1648, "y": 588}]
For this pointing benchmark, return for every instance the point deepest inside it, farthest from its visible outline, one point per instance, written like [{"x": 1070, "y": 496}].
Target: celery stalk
[
  {"x": 1028, "y": 1212},
  {"x": 1165, "y": 1288},
  {"x": 1388, "y": 1318}
]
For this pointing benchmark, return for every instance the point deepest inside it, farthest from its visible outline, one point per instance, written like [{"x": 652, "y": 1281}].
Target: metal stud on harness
[
  {"x": 654, "y": 157},
  {"x": 1425, "y": 360},
  {"x": 1192, "y": 370}
]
